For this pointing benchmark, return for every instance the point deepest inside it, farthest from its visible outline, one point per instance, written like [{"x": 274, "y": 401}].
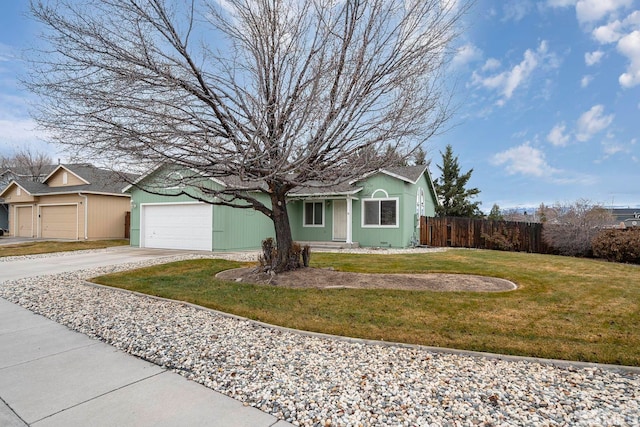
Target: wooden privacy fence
[
  {"x": 482, "y": 234},
  {"x": 127, "y": 225}
]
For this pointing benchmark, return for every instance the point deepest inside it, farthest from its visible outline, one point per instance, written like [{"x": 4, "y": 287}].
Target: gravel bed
[{"x": 316, "y": 381}]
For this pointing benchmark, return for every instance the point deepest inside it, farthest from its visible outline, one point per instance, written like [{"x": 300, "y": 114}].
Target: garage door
[
  {"x": 24, "y": 225},
  {"x": 59, "y": 222},
  {"x": 177, "y": 226}
]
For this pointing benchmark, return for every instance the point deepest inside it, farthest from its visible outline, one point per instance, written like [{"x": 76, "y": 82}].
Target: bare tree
[
  {"x": 30, "y": 164},
  {"x": 276, "y": 93}
]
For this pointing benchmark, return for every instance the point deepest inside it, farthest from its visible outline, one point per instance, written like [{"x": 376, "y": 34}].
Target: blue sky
[{"x": 548, "y": 96}]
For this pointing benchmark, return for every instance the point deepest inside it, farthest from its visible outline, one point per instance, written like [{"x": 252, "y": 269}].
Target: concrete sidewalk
[{"x": 52, "y": 376}]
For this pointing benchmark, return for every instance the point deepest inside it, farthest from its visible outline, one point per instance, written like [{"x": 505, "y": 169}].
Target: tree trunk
[{"x": 284, "y": 240}]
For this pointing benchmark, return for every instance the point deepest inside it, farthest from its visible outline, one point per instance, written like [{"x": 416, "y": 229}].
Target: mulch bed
[{"x": 322, "y": 278}]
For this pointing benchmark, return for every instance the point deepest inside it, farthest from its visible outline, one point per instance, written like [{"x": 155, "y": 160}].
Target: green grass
[
  {"x": 564, "y": 308},
  {"x": 44, "y": 247}
]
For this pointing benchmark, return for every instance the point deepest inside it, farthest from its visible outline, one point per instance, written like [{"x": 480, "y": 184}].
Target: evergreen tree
[
  {"x": 420, "y": 156},
  {"x": 495, "y": 214},
  {"x": 455, "y": 199},
  {"x": 394, "y": 157}
]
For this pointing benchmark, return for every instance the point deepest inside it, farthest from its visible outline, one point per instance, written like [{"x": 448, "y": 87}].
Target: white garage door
[
  {"x": 59, "y": 222},
  {"x": 177, "y": 226}
]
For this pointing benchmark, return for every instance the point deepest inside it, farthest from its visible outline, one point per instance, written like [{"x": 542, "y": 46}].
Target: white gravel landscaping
[{"x": 315, "y": 381}]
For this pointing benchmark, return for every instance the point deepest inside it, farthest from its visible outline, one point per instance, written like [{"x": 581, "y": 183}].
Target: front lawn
[
  {"x": 564, "y": 308},
  {"x": 45, "y": 247}
]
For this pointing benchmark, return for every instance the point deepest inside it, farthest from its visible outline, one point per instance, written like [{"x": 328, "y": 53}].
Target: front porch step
[{"x": 329, "y": 245}]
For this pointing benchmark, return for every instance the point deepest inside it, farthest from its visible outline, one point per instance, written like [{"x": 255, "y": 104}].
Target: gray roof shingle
[{"x": 99, "y": 181}]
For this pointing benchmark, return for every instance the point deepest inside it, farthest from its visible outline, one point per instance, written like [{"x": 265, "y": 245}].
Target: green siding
[
  {"x": 243, "y": 229},
  {"x": 240, "y": 229},
  {"x": 310, "y": 234},
  {"x": 233, "y": 229},
  {"x": 380, "y": 186},
  {"x": 397, "y": 237},
  {"x": 407, "y": 231}
]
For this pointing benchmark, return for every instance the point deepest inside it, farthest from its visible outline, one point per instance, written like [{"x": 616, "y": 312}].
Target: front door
[{"x": 340, "y": 220}]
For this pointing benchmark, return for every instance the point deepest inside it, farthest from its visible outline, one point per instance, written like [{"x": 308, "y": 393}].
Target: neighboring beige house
[{"x": 75, "y": 201}]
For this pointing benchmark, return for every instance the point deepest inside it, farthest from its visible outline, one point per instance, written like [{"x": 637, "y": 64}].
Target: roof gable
[
  {"x": 410, "y": 174},
  {"x": 54, "y": 177},
  {"x": 81, "y": 179},
  {"x": 27, "y": 186}
]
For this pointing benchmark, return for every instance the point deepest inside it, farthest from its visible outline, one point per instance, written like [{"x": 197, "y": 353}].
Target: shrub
[
  {"x": 298, "y": 256},
  {"x": 501, "y": 241},
  {"x": 569, "y": 229},
  {"x": 269, "y": 255},
  {"x": 620, "y": 245},
  {"x": 569, "y": 239}
]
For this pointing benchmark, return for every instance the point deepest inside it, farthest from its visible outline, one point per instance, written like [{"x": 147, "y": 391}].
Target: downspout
[
  {"x": 349, "y": 221},
  {"x": 86, "y": 213}
]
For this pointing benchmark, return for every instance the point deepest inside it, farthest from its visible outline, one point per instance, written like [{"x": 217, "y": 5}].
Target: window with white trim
[
  {"x": 313, "y": 214},
  {"x": 380, "y": 213}
]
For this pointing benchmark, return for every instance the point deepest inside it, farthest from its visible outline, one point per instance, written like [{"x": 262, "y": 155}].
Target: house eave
[
  {"x": 154, "y": 169},
  {"x": 327, "y": 194},
  {"x": 64, "y": 193}
]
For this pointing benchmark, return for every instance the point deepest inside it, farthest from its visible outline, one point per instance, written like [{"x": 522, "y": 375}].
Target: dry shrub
[
  {"x": 569, "y": 239},
  {"x": 619, "y": 245},
  {"x": 503, "y": 240},
  {"x": 299, "y": 256},
  {"x": 569, "y": 229}
]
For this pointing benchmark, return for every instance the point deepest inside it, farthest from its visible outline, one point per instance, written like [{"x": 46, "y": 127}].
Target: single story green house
[{"x": 381, "y": 209}]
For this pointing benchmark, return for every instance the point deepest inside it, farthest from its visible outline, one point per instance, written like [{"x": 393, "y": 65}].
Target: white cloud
[
  {"x": 557, "y": 135},
  {"x": 491, "y": 64},
  {"x": 18, "y": 131},
  {"x": 611, "y": 146},
  {"x": 592, "y": 58},
  {"x": 585, "y": 81},
  {"x": 627, "y": 35},
  {"x": 592, "y": 122},
  {"x": 506, "y": 82},
  {"x": 594, "y": 10},
  {"x": 515, "y": 10},
  {"x": 629, "y": 46},
  {"x": 633, "y": 19},
  {"x": 524, "y": 160},
  {"x": 466, "y": 54},
  {"x": 614, "y": 30},
  {"x": 609, "y": 33}
]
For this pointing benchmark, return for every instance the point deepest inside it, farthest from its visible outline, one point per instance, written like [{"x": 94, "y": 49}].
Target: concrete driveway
[
  {"x": 21, "y": 268},
  {"x": 51, "y": 376}
]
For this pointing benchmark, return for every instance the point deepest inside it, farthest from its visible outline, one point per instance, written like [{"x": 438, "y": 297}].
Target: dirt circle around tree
[{"x": 322, "y": 278}]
